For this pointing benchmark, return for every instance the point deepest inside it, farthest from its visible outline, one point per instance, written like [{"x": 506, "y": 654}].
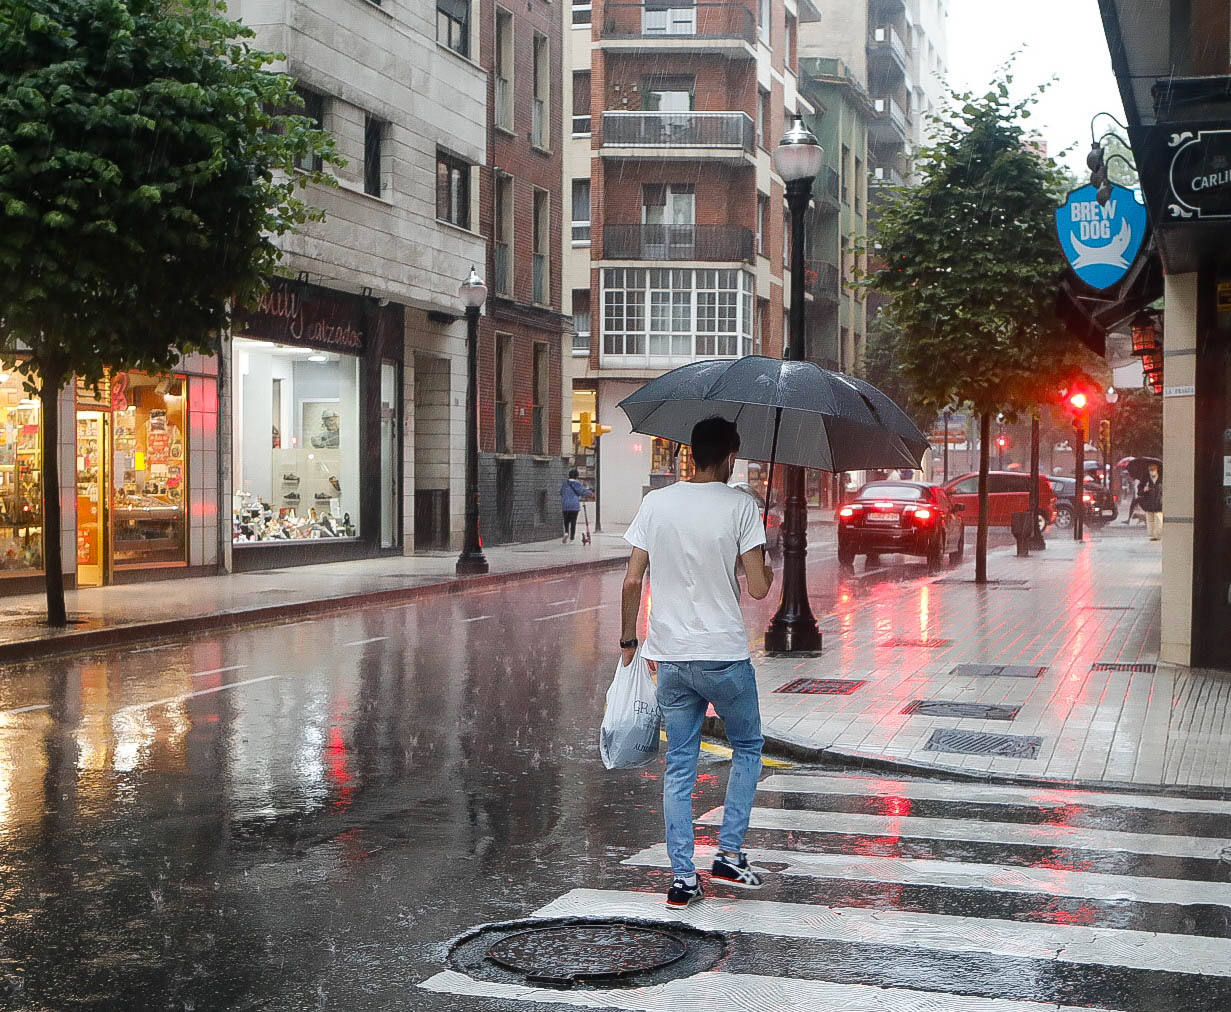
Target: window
[
  {"x": 790, "y": 42},
  {"x": 846, "y": 174},
  {"x": 968, "y": 486},
  {"x": 453, "y": 25},
  {"x": 452, "y": 190},
  {"x": 540, "y": 134},
  {"x": 504, "y": 387},
  {"x": 581, "y": 321},
  {"x": 502, "y": 237},
  {"x": 539, "y": 393},
  {"x": 581, "y": 212},
  {"x": 663, "y": 93},
  {"x": 313, "y": 109},
  {"x": 763, "y": 21},
  {"x": 373, "y": 146},
  {"x": 762, "y": 224},
  {"x": 21, "y": 499},
  {"x": 856, "y": 184},
  {"x": 668, "y": 214},
  {"x": 542, "y": 240},
  {"x": 504, "y": 70},
  {"x": 669, "y": 17},
  {"x": 581, "y": 104},
  {"x": 581, "y": 14},
  {"x": 762, "y": 118}
]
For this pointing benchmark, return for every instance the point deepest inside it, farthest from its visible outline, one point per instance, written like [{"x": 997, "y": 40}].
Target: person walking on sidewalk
[
  {"x": 572, "y": 492},
  {"x": 1151, "y": 496},
  {"x": 689, "y": 536}
]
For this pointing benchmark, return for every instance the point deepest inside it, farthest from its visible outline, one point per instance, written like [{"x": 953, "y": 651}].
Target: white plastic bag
[{"x": 629, "y": 735}]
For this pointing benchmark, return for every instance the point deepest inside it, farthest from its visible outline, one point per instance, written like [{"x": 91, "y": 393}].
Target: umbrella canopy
[
  {"x": 1138, "y": 468},
  {"x": 788, "y": 412}
]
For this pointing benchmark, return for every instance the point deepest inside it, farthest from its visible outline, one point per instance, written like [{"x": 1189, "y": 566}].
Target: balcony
[
  {"x": 887, "y": 175},
  {"x": 886, "y": 51},
  {"x": 502, "y": 281},
  {"x": 724, "y": 29},
  {"x": 709, "y": 136},
  {"x": 821, "y": 280},
  {"x": 888, "y": 125},
  {"x": 542, "y": 279},
  {"x": 825, "y": 190},
  {"x": 702, "y": 243}
]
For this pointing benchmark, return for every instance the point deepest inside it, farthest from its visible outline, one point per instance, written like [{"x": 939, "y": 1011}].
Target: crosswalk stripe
[
  {"x": 962, "y": 875},
  {"x": 741, "y": 992},
  {"x": 975, "y": 831},
  {"x": 1142, "y": 950},
  {"x": 985, "y": 794}
]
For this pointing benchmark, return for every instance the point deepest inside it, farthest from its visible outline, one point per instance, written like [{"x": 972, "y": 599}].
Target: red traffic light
[
  {"x": 1077, "y": 401},
  {"x": 1002, "y": 441}
]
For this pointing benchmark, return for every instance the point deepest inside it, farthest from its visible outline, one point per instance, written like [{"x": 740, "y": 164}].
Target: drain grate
[
  {"x": 1147, "y": 669},
  {"x": 1107, "y": 607},
  {"x": 998, "y": 671},
  {"x": 947, "y": 708},
  {"x": 1010, "y": 746},
  {"x": 823, "y": 686},
  {"x": 926, "y": 644},
  {"x": 561, "y": 956}
]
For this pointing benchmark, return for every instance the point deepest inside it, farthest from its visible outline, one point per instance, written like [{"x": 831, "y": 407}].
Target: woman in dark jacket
[
  {"x": 1150, "y": 492},
  {"x": 572, "y": 492}
]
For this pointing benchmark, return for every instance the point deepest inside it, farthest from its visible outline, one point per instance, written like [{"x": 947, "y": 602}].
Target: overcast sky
[{"x": 1061, "y": 38}]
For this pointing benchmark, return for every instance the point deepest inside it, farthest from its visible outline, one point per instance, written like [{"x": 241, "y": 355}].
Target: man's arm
[
  {"x": 756, "y": 569},
  {"x": 630, "y": 599}
]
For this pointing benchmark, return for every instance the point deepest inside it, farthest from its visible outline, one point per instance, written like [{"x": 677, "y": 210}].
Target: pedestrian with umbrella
[
  {"x": 1140, "y": 470},
  {"x": 1150, "y": 492}
]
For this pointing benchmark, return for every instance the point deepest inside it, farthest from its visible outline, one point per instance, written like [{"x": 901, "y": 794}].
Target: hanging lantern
[
  {"x": 1146, "y": 332},
  {"x": 1152, "y": 361},
  {"x": 1156, "y": 384}
]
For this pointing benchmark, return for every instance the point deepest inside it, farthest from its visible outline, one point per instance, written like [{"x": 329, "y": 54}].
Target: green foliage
[
  {"x": 879, "y": 367},
  {"x": 970, "y": 261},
  {"x": 1137, "y": 426},
  {"x": 144, "y": 176}
]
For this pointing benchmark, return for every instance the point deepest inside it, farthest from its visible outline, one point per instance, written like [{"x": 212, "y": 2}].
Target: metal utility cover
[
  {"x": 926, "y": 644},
  {"x": 562, "y": 955},
  {"x": 823, "y": 686},
  {"x": 947, "y": 708},
  {"x": 1147, "y": 669},
  {"x": 998, "y": 671},
  {"x": 1009, "y": 746}
]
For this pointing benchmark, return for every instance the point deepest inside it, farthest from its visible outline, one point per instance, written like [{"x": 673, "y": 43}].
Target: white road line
[
  {"x": 974, "y": 831},
  {"x": 137, "y": 707},
  {"x": 747, "y": 992},
  {"x": 25, "y": 709},
  {"x": 370, "y": 639},
  {"x": 218, "y": 671},
  {"x": 477, "y": 618},
  {"x": 556, "y": 604},
  {"x": 1142, "y": 950},
  {"x": 552, "y": 583},
  {"x": 1036, "y": 797},
  {"x": 565, "y": 614},
  {"x": 960, "y": 875}
]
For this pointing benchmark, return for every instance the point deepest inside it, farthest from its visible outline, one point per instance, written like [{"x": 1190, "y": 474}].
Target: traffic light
[
  {"x": 1104, "y": 436},
  {"x": 585, "y": 431},
  {"x": 1078, "y": 402},
  {"x": 1002, "y": 441},
  {"x": 601, "y": 430}
]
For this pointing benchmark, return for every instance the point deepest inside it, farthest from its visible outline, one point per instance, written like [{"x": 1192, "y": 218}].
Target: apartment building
[
  {"x": 520, "y": 213},
  {"x": 679, "y": 226}
]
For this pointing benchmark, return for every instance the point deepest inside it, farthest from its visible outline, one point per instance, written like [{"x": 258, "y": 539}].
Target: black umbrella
[
  {"x": 1138, "y": 468},
  {"x": 786, "y": 412}
]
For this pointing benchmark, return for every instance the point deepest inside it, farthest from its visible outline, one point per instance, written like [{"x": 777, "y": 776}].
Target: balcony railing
[
  {"x": 538, "y": 438},
  {"x": 581, "y": 342},
  {"x": 889, "y": 112},
  {"x": 821, "y": 278},
  {"x": 542, "y": 278},
  {"x": 884, "y": 175},
  {"x": 538, "y": 123},
  {"x": 502, "y": 427},
  {"x": 678, "y": 242},
  {"x": 826, "y": 187},
  {"x": 664, "y": 19},
  {"x": 678, "y": 130},
  {"x": 502, "y": 281},
  {"x": 885, "y": 40},
  {"x": 504, "y": 103}
]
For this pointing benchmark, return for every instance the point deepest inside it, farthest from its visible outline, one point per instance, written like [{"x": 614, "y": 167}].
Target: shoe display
[
  {"x": 322, "y": 496},
  {"x": 335, "y": 484},
  {"x": 291, "y": 497},
  {"x": 292, "y": 479},
  {"x": 681, "y": 894},
  {"x": 736, "y": 873}
]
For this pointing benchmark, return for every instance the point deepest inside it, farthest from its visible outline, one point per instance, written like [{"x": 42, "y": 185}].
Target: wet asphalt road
[{"x": 300, "y": 817}]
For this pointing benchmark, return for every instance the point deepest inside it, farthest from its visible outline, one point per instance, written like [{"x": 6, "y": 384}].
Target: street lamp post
[
  {"x": 797, "y": 159},
  {"x": 472, "y": 561}
]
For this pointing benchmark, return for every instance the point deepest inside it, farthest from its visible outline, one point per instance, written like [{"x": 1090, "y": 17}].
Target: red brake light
[
  {"x": 846, "y": 511},
  {"x": 1087, "y": 497},
  {"x": 923, "y": 513}
]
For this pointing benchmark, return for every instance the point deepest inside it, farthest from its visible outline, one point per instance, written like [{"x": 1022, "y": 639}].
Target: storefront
[
  {"x": 316, "y": 394},
  {"x": 21, "y": 491}
]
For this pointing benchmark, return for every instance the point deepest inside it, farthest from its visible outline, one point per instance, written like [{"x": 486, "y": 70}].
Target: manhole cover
[
  {"x": 560, "y": 956},
  {"x": 823, "y": 686},
  {"x": 1147, "y": 669},
  {"x": 926, "y": 644},
  {"x": 946, "y": 708},
  {"x": 998, "y": 671},
  {"x": 1012, "y": 746}
]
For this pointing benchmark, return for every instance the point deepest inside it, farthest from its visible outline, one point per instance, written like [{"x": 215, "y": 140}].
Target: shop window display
[
  {"x": 296, "y": 443},
  {"x": 21, "y": 496}
]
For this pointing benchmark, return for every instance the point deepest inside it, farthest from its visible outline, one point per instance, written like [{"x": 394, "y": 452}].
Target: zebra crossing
[{"x": 917, "y": 896}]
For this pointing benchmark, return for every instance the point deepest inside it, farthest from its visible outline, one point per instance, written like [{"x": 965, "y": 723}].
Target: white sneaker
[{"x": 564, "y": 540}]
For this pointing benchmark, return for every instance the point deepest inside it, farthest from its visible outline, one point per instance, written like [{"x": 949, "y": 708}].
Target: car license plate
[{"x": 882, "y": 518}]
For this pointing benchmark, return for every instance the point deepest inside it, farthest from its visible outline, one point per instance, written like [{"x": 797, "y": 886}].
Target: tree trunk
[
  {"x": 53, "y": 562},
  {"x": 1036, "y": 535},
  {"x": 985, "y": 438}
]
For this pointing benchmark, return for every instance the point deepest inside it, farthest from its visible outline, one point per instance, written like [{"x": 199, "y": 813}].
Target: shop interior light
[{"x": 317, "y": 356}]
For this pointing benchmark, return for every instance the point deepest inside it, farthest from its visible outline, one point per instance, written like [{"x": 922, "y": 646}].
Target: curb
[
  {"x": 93, "y": 639},
  {"x": 839, "y": 759}
]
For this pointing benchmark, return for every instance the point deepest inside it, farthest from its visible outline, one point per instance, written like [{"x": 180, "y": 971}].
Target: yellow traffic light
[
  {"x": 601, "y": 430},
  {"x": 585, "y": 431}
]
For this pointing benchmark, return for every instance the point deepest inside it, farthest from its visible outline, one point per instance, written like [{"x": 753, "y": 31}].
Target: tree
[
  {"x": 1137, "y": 424},
  {"x": 880, "y": 368},
  {"x": 147, "y": 165},
  {"x": 971, "y": 265}
]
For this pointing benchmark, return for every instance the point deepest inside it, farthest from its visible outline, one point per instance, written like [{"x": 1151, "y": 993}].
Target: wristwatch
[{"x": 629, "y": 644}]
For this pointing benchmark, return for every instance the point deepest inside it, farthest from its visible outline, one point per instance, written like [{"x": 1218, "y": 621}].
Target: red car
[
  {"x": 901, "y": 517},
  {"x": 1008, "y": 492}
]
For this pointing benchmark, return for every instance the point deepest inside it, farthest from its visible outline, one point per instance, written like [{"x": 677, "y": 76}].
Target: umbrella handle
[{"x": 773, "y": 455}]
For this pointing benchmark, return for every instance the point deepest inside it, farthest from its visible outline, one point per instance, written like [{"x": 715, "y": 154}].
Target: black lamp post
[
  {"x": 472, "y": 561},
  {"x": 793, "y": 628}
]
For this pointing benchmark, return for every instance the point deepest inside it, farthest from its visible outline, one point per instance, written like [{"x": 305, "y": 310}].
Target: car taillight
[
  {"x": 1087, "y": 497},
  {"x": 846, "y": 511},
  {"x": 923, "y": 513}
]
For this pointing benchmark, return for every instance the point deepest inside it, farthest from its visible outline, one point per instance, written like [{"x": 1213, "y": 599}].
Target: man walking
[{"x": 690, "y": 536}]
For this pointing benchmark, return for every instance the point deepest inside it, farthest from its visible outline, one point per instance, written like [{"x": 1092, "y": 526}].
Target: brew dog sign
[{"x": 1101, "y": 240}]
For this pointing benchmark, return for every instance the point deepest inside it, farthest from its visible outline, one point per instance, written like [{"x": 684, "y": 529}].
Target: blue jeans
[{"x": 685, "y": 688}]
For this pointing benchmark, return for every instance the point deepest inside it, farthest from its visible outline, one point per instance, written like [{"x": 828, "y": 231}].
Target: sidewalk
[
  {"x": 1077, "y": 610},
  {"x": 107, "y": 616}
]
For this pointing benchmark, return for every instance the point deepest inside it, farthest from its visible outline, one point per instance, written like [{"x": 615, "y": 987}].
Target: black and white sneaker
[
  {"x": 681, "y": 894},
  {"x": 739, "y": 874}
]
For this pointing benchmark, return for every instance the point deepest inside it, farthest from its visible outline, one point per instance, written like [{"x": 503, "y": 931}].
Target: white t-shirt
[{"x": 694, "y": 532}]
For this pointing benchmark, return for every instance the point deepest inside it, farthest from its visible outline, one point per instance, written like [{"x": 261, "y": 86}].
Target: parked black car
[
  {"x": 902, "y": 517},
  {"x": 1101, "y": 505}
]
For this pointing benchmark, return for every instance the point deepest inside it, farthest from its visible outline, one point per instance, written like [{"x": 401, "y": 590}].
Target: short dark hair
[
  {"x": 713, "y": 440},
  {"x": 572, "y": 472}
]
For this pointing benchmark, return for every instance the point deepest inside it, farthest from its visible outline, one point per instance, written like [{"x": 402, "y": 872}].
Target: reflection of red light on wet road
[
  {"x": 1082, "y": 916},
  {"x": 336, "y": 767}
]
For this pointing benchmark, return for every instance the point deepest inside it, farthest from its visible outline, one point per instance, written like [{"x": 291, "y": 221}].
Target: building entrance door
[{"x": 92, "y": 485}]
